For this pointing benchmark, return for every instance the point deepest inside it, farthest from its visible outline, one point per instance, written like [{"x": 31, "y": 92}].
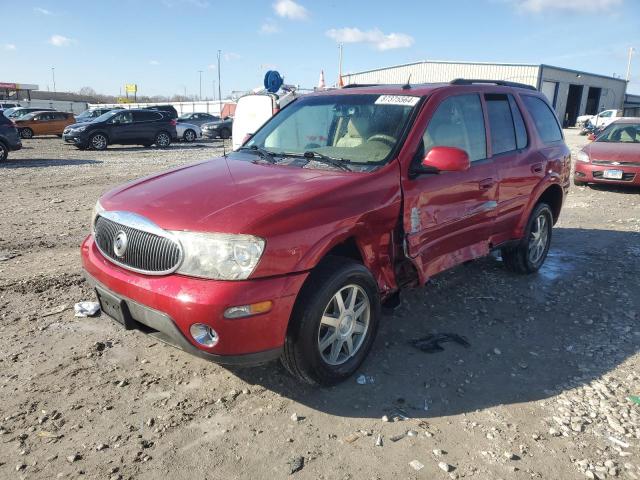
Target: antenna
[{"x": 407, "y": 86}]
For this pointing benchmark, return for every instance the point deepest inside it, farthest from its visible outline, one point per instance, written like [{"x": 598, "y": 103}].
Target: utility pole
[
  {"x": 53, "y": 75},
  {"x": 200, "y": 72},
  {"x": 631, "y": 50},
  {"x": 213, "y": 89},
  {"x": 340, "y": 84},
  {"x": 219, "y": 89}
]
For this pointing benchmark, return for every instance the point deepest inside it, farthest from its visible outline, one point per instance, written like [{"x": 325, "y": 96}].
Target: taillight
[{"x": 174, "y": 123}]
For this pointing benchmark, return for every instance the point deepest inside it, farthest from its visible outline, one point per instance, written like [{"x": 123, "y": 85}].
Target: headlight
[
  {"x": 79, "y": 129},
  {"x": 582, "y": 157},
  {"x": 219, "y": 256},
  {"x": 97, "y": 210}
]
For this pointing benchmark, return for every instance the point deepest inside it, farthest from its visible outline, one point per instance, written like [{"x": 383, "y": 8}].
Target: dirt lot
[{"x": 542, "y": 391}]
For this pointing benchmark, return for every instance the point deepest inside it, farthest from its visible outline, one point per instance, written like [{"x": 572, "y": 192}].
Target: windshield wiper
[
  {"x": 264, "y": 154},
  {"x": 321, "y": 158}
]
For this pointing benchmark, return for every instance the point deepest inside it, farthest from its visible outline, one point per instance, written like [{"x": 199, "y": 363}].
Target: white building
[{"x": 571, "y": 92}]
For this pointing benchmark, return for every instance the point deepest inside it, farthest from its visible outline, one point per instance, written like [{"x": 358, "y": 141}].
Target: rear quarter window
[
  {"x": 543, "y": 119},
  {"x": 147, "y": 116}
]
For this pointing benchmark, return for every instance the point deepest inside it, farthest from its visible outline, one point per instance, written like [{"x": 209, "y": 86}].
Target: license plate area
[
  {"x": 612, "y": 174},
  {"x": 115, "y": 307}
]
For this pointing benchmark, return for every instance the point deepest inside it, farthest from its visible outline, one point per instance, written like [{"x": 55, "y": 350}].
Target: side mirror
[{"x": 444, "y": 159}]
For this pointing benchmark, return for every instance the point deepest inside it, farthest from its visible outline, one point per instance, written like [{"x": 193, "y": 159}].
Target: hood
[
  {"x": 228, "y": 195},
  {"x": 76, "y": 125},
  {"x": 613, "y": 152}
]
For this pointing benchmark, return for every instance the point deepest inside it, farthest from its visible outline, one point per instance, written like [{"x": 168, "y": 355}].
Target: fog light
[
  {"x": 247, "y": 310},
  {"x": 204, "y": 334}
]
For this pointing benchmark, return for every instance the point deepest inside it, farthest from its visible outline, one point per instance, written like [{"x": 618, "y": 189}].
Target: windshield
[
  {"x": 620, "y": 133},
  {"x": 361, "y": 129},
  {"x": 86, "y": 114},
  {"x": 106, "y": 116}
]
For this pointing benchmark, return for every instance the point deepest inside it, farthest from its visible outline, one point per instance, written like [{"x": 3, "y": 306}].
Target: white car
[
  {"x": 188, "y": 132},
  {"x": 604, "y": 118}
]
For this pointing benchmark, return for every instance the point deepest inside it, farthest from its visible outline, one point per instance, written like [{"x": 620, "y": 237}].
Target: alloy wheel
[
  {"x": 344, "y": 325},
  {"x": 539, "y": 238},
  {"x": 99, "y": 142},
  {"x": 4, "y": 153},
  {"x": 162, "y": 140},
  {"x": 189, "y": 136}
]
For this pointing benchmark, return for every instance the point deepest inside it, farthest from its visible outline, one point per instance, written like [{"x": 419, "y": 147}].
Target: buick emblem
[{"x": 120, "y": 243}]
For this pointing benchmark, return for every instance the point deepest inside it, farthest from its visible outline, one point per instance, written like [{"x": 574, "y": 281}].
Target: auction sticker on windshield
[{"x": 397, "y": 100}]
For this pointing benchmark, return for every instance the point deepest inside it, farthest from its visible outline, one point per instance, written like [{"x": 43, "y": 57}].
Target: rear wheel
[
  {"x": 98, "y": 141},
  {"x": 4, "y": 152},
  {"x": 532, "y": 250},
  {"x": 225, "y": 133},
  {"x": 189, "y": 136},
  {"x": 163, "y": 140},
  {"x": 333, "y": 324},
  {"x": 26, "y": 133}
]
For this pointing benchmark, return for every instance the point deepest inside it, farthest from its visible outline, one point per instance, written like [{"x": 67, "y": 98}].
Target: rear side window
[
  {"x": 146, "y": 116},
  {"x": 458, "y": 122},
  {"x": 503, "y": 135},
  {"x": 543, "y": 118},
  {"x": 521, "y": 131}
]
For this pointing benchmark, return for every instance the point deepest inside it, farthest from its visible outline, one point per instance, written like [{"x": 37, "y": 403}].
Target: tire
[
  {"x": 316, "y": 320},
  {"x": 162, "y": 140},
  {"x": 225, "y": 133},
  {"x": 4, "y": 152},
  {"x": 26, "y": 133},
  {"x": 189, "y": 136},
  {"x": 98, "y": 141},
  {"x": 532, "y": 250}
]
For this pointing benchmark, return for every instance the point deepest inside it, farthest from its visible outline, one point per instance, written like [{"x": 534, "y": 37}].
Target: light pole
[
  {"x": 219, "y": 89},
  {"x": 200, "y": 96},
  {"x": 631, "y": 50},
  {"x": 53, "y": 75}
]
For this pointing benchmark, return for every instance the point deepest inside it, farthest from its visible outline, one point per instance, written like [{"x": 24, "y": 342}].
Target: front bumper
[
  {"x": 74, "y": 138},
  {"x": 170, "y": 304},
  {"x": 211, "y": 133},
  {"x": 592, "y": 173}
]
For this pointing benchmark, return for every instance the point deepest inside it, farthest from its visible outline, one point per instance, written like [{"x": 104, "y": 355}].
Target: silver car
[
  {"x": 197, "y": 118},
  {"x": 188, "y": 132}
]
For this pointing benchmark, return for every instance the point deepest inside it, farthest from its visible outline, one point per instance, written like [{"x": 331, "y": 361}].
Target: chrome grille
[{"x": 146, "y": 252}]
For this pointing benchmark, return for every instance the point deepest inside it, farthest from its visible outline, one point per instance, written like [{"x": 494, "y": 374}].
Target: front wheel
[
  {"x": 189, "y": 136},
  {"x": 532, "y": 250},
  {"x": 163, "y": 140},
  {"x": 26, "y": 133},
  {"x": 334, "y": 323},
  {"x": 4, "y": 152}
]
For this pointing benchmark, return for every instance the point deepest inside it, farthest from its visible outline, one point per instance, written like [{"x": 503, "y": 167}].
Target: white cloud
[
  {"x": 537, "y": 6},
  {"x": 154, "y": 62},
  {"x": 8, "y": 46},
  {"x": 60, "y": 41},
  {"x": 231, "y": 56},
  {"x": 290, "y": 9},
  {"x": 212, "y": 66},
  {"x": 42, "y": 11},
  {"x": 269, "y": 27},
  {"x": 376, "y": 38}
]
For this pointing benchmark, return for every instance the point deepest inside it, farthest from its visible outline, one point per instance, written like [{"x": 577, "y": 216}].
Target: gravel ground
[{"x": 545, "y": 389}]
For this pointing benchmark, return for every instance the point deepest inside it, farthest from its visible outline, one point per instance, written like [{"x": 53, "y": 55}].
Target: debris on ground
[
  {"x": 86, "y": 309},
  {"x": 416, "y": 465},
  {"x": 445, "y": 466},
  {"x": 379, "y": 441},
  {"x": 431, "y": 343},
  {"x": 365, "y": 379},
  {"x": 55, "y": 311},
  {"x": 351, "y": 438},
  {"x": 296, "y": 464}
]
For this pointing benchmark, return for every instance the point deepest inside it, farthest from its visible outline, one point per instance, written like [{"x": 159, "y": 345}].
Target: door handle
[
  {"x": 486, "y": 184},
  {"x": 536, "y": 168}
]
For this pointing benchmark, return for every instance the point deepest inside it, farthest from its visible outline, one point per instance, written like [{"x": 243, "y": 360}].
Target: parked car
[
  {"x": 124, "y": 127},
  {"x": 602, "y": 119},
  {"x": 170, "y": 109},
  {"x": 43, "y": 123},
  {"x": 220, "y": 129},
  {"x": 17, "y": 112},
  {"x": 91, "y": 114},
  {"x": 613, "y": 157},
  {"x": 198, "y": 118},
  {"x": 9, "y": 138},
  {"x": 6, "y": 105},
  {"x": 288, "y": 247},
  {"x": 188, "y": 132}
]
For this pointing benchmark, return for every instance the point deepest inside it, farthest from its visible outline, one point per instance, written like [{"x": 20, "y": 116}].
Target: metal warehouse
[{"x": 572, "y": 93}]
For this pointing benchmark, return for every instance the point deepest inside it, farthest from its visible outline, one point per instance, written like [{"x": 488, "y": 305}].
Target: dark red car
[
  {"x": 614, "y": 156},
  {"x": 288, "y": 247}
]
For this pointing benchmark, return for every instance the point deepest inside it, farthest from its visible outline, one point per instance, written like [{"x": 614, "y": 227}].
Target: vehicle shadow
[
  {"x": 616, "y": 188},
  {"x": 44, "y": 162},
  {"x": 531, "y": 336}
]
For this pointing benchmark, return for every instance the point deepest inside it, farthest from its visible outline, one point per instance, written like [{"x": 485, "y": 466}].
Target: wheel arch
[{"x": 550, "y": 192}]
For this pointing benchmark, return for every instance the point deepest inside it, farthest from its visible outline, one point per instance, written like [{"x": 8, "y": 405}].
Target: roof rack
[
  {"x": 503, "y": 83},
  {"x": 357, "y": 85}
]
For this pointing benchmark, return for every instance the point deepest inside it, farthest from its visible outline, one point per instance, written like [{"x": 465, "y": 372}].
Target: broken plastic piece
[{"x": 86, "y": 309}]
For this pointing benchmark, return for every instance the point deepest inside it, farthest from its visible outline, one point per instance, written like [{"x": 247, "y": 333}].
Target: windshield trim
[{"x": 394, "y": 151}]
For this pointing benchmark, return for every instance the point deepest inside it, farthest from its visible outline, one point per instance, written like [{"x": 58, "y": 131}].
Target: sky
[{"x": 162, "y": 44}]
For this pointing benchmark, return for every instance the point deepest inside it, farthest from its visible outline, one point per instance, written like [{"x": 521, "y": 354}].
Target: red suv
[{"x": 288, "y": 247}]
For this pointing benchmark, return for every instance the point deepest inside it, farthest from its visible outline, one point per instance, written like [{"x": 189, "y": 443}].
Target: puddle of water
[{"x": 558, "y": 264}]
